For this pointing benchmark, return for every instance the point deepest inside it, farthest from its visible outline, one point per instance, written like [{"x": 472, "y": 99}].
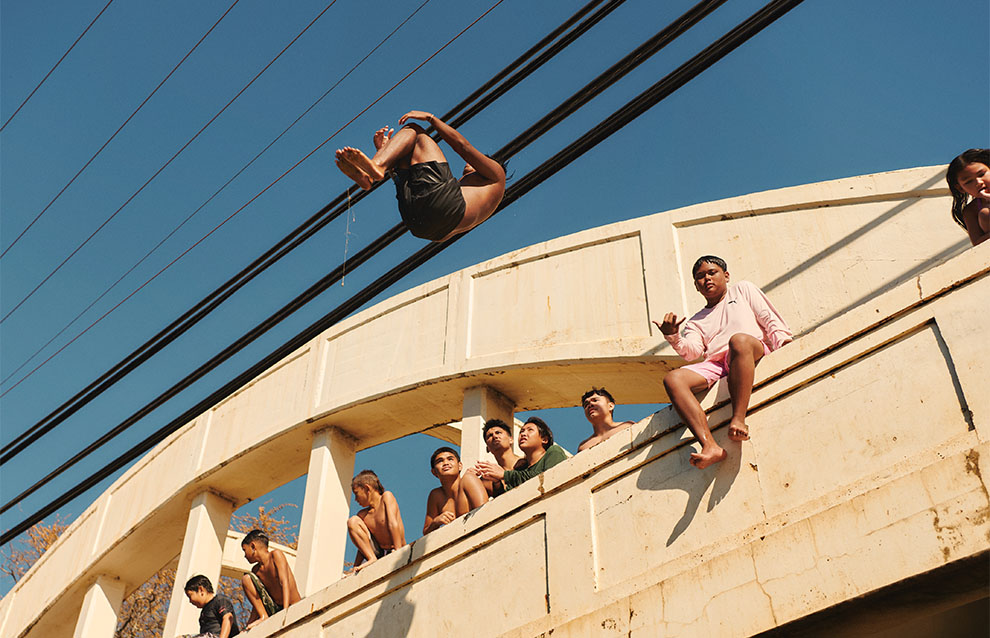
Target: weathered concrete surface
[{"x": 886, "y": 350}]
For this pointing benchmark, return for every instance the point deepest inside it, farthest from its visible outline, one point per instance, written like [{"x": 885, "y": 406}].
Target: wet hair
[
  {"x": 959, "y": 196},
  {"x": 544, "y": 429},
  {"x": 599, "y": 391},
  {"x": 369, "y": 479},
  {"x": 255, "y": 535},
  {"x": 711, "y": 259},
  {"x": 496, "y": 423},
  {"x": 198, "y": 581},
  {"x": 441, "y": 450}
]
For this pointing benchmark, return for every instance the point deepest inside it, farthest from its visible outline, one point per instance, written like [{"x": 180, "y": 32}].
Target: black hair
[
  {"x": 599, "y": 391},
  {"x": 711, "y": 259},
  {"x": 496, "y": 423},
  {"x": 198, "y": 581},
  {"x": 255, "y": 535},
  {"x": 545, "y": 431},
  {"x": 441, "y": 450},
  {"x": 959, "y": 196},
  {"x": 367, "y": 478}
]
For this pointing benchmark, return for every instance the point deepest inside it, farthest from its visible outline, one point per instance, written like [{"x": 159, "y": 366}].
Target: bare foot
[
  {"x": 352, "y": 171},
  {"x": 708, "y": 456},
  {"x": 382, "y": 136},
  {"x": 738, "y": 431},
  {"x": 362, "y": 162}
]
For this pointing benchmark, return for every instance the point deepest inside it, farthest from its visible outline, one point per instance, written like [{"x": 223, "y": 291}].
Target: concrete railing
[{"x": 821, "y": 251}]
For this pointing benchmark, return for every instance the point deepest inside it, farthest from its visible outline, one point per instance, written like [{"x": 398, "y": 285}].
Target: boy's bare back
[{"x": 270, "y": 577}]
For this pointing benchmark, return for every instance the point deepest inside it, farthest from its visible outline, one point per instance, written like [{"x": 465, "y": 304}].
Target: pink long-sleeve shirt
[{"x": 745, "y": 309}]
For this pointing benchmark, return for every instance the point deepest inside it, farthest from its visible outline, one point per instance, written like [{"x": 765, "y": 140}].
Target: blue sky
[{"x": 833, "y": 89}]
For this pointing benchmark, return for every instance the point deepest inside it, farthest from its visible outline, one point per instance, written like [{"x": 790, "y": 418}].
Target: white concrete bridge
[{"x": 862, "y": 493}]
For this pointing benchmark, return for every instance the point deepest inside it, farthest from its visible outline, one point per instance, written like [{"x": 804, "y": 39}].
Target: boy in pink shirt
[{"x": 735, "y": 329}]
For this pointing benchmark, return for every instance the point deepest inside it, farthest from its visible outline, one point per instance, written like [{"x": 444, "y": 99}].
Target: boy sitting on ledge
[
  {"x": 270, "y": 586},
  {"x": 598, "y": 407},
  {"x": 536, "y": 442},
  {"x": 456, "y": 495},
  {"x": 216, "y": 618},
  {"x": 735, "y": 329},
  {"x": 377, "y": 529}
]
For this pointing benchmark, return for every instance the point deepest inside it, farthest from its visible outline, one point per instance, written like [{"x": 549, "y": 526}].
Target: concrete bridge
[{"x": 860, "y": 504}]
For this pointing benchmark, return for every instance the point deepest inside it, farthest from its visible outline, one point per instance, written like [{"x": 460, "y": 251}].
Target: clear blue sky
[{"x": 833, "y": 89}]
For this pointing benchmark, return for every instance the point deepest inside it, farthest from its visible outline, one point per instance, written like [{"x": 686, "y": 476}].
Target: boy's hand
[
  {"x": 445, "y": 518},
  {"x": 489, "y": 471},
  {"x": 416, "y": 115},
  {"x": 671, "y": 325}
]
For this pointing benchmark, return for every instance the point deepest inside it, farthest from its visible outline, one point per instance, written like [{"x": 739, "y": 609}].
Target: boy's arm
[
  {"x": 282, "y": 567},
  {"x": 690, "y": 346},
  {"x": 226, "y": 625},
  {"x": 773, "y": 325},
  {"x": 486, "y": 166},
  {"x": 394, "y": 518},
  {"x": 434, "y": 517},
  {"x": 554, "y": 455}
]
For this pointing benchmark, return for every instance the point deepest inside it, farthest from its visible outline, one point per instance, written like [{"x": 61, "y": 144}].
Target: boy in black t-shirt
[{"x": 217, "y": 617}]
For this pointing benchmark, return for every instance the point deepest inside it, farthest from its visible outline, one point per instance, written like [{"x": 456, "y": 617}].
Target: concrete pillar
[
  {"x": 202, "y": 553},
  {"x": 100, "y": 608},
  {"x": 480, "y": 404},
  {"x": 323, "y": 528}
]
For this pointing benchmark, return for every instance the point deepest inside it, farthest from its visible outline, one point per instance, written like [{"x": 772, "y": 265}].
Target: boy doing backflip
[
  {"x": 735, "y": 329},
  {"x": 433, "y": 204}
]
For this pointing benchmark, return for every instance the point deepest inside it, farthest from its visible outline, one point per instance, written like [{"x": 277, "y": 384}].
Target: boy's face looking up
[
  {"x": 446, "y": 464},
  {"x": 198, "y": 597},
  {"x": 529, "y": 438},
  {"x": 596, "y": 408},
  {"x": 497, "y": 440},
  {"x": 711, "y": 281}
]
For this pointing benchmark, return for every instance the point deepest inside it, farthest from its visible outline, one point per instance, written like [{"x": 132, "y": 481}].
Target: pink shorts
[{"x": 714, "y": 369}]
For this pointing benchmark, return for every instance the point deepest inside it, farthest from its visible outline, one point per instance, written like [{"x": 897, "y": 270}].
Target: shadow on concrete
[{"x": 715, "y": 480}]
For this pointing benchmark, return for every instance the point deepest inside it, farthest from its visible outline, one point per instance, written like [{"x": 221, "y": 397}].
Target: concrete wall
[{"x": 828, "y": 254}]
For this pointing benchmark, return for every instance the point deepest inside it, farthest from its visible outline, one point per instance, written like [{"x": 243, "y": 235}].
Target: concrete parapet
[{"x": 874, "y": 280}]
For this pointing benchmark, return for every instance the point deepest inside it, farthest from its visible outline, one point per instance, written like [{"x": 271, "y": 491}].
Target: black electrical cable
[
  {"x": 303, "y": 232},
  {"x": 666, "y": 86}
]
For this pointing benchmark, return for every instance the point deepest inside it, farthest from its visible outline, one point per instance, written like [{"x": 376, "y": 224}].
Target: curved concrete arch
[{"x": 532, "y": 329}]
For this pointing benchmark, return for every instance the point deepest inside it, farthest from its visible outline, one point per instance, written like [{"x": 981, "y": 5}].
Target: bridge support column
[
  {"x": 100, "y": 609},
  {"x": 202, "y": 553},
  {"x": 480, "y": 404},
  {"x": 323, "y": 528}
]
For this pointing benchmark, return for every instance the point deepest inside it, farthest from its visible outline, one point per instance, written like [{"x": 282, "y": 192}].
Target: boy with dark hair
[
  {"x": 216, "y": 616},
  {"x": 270, "y": 586},
  {"x": 737, "y": 327},
  {"x": 536, "y": 442},
  {"x": 598, "y": 407},
  {"x": 456, "y": 495},
  {"x": 377, "y": 529},
  {"x": 498, "y": 440}
]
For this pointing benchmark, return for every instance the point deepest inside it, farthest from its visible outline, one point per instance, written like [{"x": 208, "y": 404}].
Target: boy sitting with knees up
[
  {"x": 735, "y": 329},
  {"x": 456, "y": 495},
  {"x": 377, "y": 529},
  {"x": 216, "y": 618},
  {"x": 270, "y": 586}
]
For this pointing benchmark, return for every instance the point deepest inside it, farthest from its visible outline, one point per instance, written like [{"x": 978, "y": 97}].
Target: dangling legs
[
  {"x": 681, "y": 385},
  {"x": 744, "y": 351}
]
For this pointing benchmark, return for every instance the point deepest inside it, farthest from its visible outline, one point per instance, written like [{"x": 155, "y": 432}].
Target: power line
[
  {"x": 484, "y": 102},
  {"x": 666, "y": 86},
  {"x": 167, "y": 163},
  {"x": 119, "y": 129},
  {"x": 210, "y": 199},
  {"x": 52, "y": 70},
  {"x": 280, "y": 249}
]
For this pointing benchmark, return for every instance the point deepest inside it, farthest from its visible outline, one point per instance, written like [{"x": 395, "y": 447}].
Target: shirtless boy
[
  {"x": 377, "y": 529},
  {"x": 598, "y": 407},
  {"x": 456, "y": 495},
  {"x": 433, "y": 204},
  {"x": 498, "y": 440},
  {"x": 735, "y": 329},
  {"x": 270, "y": 586}
]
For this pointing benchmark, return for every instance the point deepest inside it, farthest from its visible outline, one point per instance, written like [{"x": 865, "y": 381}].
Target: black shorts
[{"x": 430, "y": 199}]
